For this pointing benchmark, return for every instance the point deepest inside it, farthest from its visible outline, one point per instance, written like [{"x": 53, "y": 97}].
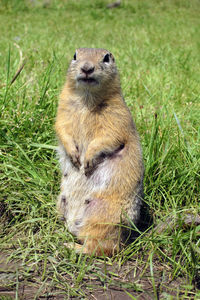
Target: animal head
[{"x": 92, "y": 70}]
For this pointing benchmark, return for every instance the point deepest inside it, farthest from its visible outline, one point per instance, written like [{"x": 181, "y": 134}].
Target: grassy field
[{"x": 157, "y": 49}]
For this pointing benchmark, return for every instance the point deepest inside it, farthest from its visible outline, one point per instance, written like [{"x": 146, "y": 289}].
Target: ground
[{"x": 156, "y": 47}]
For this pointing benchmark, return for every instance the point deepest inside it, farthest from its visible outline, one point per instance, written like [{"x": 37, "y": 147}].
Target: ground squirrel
[{"x": 100, "y": 154}]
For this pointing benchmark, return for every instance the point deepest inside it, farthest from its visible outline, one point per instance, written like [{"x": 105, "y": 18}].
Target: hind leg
[
  {"x": 100, "y": 240},
  {"x": 77, "y": 247},
  {"x": 95, "y": 247}
]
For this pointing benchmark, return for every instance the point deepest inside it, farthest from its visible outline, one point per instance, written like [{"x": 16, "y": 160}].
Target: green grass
[{"x": 156, "y": 45}]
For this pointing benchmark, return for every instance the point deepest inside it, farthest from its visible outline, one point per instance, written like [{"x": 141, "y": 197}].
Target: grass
[{"x": 156, "y": 46}]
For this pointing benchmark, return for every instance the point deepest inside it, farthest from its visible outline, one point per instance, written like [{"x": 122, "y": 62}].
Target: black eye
[
  {"x": 75, "y": 56},
  {"x": 106, "y": 58}
]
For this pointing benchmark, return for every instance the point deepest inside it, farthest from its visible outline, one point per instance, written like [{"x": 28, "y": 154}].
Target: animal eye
[
  {"x": 106, "y": 58},
  {"x": 87, "y": 201},
  {"x": 75, "y": 56}
]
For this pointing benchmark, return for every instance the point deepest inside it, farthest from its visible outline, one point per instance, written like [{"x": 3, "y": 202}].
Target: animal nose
[{"x": 87, "y": 68}]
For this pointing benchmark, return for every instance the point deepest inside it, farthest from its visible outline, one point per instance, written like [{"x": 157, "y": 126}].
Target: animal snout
[{"x": 87, "y": 68}]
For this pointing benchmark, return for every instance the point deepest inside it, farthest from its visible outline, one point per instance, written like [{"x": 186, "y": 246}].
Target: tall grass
[{"x": 156, "y": 46}]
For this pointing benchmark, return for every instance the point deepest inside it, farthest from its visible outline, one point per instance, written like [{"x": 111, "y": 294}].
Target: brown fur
[{"x": 95, "y": 119}]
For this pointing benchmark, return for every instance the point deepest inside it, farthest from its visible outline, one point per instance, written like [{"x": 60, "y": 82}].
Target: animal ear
[
  {"x": 74, "y": 56},
  {"x": 112, "y": 57}
]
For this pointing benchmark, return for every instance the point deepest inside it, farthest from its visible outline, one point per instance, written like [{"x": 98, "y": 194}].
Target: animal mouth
[{"x": 87, "y": 80}]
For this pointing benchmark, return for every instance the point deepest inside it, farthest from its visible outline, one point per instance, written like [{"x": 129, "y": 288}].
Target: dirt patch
[
  {"x": 109, "y": 282},
  {"x": 120, "y": 284}
]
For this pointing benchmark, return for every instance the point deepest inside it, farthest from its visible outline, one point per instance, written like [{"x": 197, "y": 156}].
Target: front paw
[
  {"x": 91, "y": 165},
  {"x": 74, "y": 157},
  {"x": 75, "y": 160}
]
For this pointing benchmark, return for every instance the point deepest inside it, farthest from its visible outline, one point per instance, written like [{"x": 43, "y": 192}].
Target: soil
[
  {"x": 130, "y": 281},
  {"x": 34, "y": 288}
]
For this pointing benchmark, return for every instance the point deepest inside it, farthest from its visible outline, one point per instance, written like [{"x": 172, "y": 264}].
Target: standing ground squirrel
[{"x": 100, "y": 154}]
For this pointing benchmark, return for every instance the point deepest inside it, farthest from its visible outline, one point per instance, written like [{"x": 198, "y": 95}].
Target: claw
[
  {"x": 75, "y": 160},
  {"x": 88, "y": 169}
]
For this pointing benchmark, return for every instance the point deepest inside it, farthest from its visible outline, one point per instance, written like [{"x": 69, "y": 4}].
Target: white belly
[{"x": 75, "y": 184}]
